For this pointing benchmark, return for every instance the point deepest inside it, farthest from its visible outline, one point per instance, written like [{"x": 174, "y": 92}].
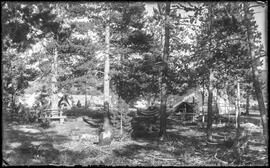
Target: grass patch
[{"x": 185, "y": 145}]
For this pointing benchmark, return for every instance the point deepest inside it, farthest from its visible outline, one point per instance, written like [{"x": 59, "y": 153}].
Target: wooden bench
[{"x": 55, "y": 114}]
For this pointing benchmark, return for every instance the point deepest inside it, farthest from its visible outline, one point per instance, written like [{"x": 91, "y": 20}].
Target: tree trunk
[
  {"x": 237, "y": 125},
  {"x": 107, "y": 130},
  {"x": 255, "y": 79},
  {"x": 262, "y": 108},
  {"x": 107, "y": 70},
  {"x": 106, "y": 123},
  {"x": 154, "y": 99},
  {"x": 237, "y": 114},
  {"x": 148, "y": 101},
  {"x": 247, "y": 103},
  {"x": 203, "y": 92},
  {"x": 210, "y": 86},
  {"x": 54, "y": 100},
  {"x": 121, "y": 123},
  {"x": 209, "y": 106},
  {"x": 85, "y": 97},
  {"x": 163, "y": 91},
  {"x": 216, "y": 105}
]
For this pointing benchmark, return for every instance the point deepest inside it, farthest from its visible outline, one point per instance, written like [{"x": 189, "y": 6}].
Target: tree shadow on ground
[
  {"x": 148, "y": 153},
  {"x": 131, "y": 150},
  {"x": 28, "y": 145},
  {"x": 175, "y": 146}
]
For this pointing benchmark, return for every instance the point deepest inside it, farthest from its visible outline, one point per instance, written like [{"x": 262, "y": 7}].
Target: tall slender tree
[
  {"x": 163, "y": 91},
  {"x": 251, "y": 37},
  {"x": 107, "y": 70},
  {"x": 218, "y": 50}
]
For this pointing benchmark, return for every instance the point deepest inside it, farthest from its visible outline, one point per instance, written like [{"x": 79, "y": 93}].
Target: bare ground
[{"x": 72, "y": 144}]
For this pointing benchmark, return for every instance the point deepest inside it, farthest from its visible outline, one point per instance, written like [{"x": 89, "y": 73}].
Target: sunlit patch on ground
[
  {"x": 190, "y": 133},
  {"x": 15, "y": 144},
  {"x": 36, "y": 143},
  {"x": 30, "y": 130},
  {"x": 72, "y": 143}
]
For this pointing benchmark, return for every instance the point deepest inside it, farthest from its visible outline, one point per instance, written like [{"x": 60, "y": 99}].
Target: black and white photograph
[{"x": 133, "y": 83}]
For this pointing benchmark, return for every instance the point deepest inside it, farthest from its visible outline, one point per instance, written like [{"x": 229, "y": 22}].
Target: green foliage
[
  {"x": 229, "y": 58},
  {"x": 132, "y": 45},
  {"x": 25, "y": 23},
  {"x": 14, "y": 81},
  {"x": 143, "y": 70},
  {"x": 42, "y": 103},
  {"x": 138, "y": 76},
  {"x": 15, "y": 74}
]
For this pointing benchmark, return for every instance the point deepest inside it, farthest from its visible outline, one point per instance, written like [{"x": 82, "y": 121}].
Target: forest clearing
[
  {"x": 72, "y": 143},
  {"x": 134, "y": 83}
]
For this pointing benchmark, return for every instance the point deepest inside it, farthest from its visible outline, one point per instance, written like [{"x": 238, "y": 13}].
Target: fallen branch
[
  {"x": 166, "y": 159},
  {"x": 212, "y": 143},
  {"x": 215, "y": 141}
]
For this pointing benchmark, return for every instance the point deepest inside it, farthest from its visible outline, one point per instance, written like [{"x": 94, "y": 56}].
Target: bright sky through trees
[{"x": 260, "y": 17}]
